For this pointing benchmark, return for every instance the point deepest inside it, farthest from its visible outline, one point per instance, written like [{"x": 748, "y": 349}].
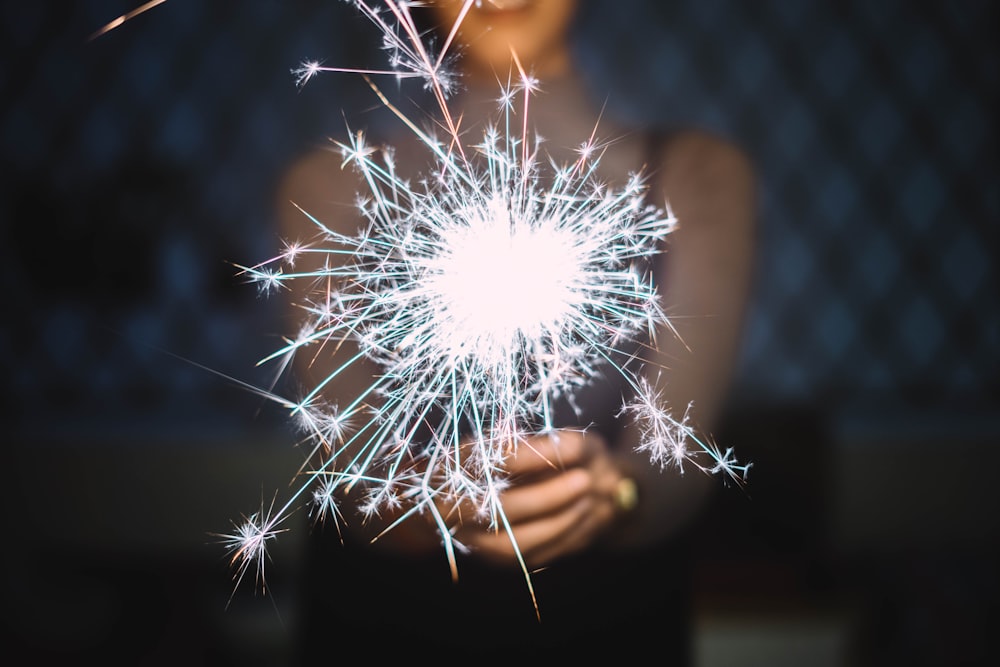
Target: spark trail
[{"x": 498, "y": 284}]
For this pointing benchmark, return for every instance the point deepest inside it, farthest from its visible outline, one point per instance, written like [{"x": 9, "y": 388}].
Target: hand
[{"x": 561, "y": 499}]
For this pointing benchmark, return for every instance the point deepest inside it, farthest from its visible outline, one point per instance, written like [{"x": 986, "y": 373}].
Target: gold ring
[{"x": 626, "y": 494}]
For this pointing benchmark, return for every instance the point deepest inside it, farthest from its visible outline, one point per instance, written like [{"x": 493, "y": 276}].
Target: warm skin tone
[
  {"x": 562, "y": 494},
  {"x": 535, "y": 31}
]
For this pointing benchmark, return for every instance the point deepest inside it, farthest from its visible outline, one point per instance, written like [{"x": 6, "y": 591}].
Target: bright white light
[{"x": 496, "y": 282}]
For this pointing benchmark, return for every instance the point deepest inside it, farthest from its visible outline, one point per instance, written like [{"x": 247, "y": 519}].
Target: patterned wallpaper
[{"x": 139, "y": 165}]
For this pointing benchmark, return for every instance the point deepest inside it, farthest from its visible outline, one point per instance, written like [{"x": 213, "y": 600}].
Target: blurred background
[{"x": 140, "y": 165}]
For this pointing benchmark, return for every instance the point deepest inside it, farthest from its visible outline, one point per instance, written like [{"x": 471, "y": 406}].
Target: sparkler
[{"x": 498, "y": 284}]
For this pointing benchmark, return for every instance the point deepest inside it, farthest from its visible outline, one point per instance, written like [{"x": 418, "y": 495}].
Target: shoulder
[
  {"x": 707, "y": 177},
  {"x": 698, "y": 154},
  {"x": 710, "y": 185},
  {"x": 312, "y": 173},
  {"x": 317, "y": 185}
]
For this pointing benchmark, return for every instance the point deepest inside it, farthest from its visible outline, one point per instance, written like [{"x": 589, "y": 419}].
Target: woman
[{"x": 602, "y": 533}]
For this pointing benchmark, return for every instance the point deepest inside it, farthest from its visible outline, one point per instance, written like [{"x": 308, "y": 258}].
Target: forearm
[{"x": 705, "y": 283}]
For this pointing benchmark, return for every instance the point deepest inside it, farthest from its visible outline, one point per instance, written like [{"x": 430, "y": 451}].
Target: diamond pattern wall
[{"x": 138, "y": 164}]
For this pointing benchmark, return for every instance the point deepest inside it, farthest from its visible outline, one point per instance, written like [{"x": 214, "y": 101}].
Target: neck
[{"x": 548, "y": 65}]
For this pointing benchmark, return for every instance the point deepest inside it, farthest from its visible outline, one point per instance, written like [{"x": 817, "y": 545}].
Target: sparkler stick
[{"x": 474, "y": 348}]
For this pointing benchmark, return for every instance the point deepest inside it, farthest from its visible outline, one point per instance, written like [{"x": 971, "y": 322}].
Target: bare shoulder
[
  {"x": 700, "y": 154},
  {"x": 317, "y": 185},
  {"x": 709, "y": 180},
  {"x": 301, "y": 173}
]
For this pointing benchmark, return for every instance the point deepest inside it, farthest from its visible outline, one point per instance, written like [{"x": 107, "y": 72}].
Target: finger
[
  {"x": 580, "y": 535},
  {"x": 530, "y": 537},
  {"x": 547, "y": 496},
  {"x": 544, "y": 453}
]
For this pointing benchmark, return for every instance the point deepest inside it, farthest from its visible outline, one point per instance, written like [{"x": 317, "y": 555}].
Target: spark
[
  {"x": 325, "y": 504},
  {"x": 247, "y": 544},
  {"x": 499, "y": 283},
  {"x": 664, "y": 437},
  {"x": 128, "y": 16}
]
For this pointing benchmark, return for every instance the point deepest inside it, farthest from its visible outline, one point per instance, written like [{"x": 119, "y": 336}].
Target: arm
[{"x": 710, "y": 186}]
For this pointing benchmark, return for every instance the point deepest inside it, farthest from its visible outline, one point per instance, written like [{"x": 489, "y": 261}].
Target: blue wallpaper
[{"x": 140, "y": 164}]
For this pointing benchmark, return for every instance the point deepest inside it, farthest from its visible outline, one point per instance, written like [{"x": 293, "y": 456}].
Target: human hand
[{"x": 563, "y": 496}]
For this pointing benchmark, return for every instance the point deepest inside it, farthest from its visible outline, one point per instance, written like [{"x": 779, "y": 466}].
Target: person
[{"x": 610, "y": 569}]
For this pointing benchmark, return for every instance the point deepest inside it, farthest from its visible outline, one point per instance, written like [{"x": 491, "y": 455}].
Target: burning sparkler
[{"x": 474, "y": 348}]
